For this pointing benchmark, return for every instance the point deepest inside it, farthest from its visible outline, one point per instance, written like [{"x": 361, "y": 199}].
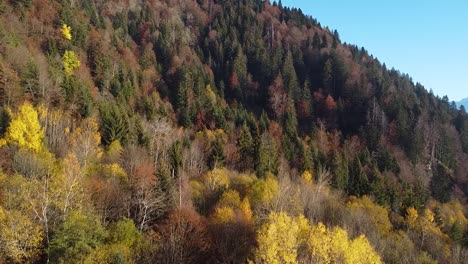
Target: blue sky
[{"x": 426, "y": 39}]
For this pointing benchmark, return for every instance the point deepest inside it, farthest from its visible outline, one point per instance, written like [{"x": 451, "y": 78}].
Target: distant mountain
[{"x": 463, "y": 102}]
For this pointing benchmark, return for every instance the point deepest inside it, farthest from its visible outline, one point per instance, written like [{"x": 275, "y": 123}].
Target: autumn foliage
[{"x": 217, "y": 132}]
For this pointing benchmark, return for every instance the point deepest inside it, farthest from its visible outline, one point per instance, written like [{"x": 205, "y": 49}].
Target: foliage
[
  {"x": 333, "y": 245},
  {"x": 78, "y": 236},
  {"x": 20, "y": 236},
  {"x": 278, "y": 239},
  {"x": 66, "y": 31},
  {"x": 218, "y": 125},
  {"x": 24, "y": 129},
  {"x": 70, "y": 62}
]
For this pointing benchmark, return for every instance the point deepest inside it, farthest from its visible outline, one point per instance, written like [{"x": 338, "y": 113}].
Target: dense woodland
[{"x": 209, "y": 131}]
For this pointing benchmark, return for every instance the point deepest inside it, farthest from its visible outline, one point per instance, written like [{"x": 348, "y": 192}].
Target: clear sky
[{"x": 426, "y": 39}]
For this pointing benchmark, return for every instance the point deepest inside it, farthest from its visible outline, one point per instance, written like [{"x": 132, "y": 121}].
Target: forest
[{"x": 216, "y": 131}]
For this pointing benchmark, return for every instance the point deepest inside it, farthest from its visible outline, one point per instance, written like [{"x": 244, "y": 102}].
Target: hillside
[
  {"x": 463, "y": 102},
  {"x": 210, "y": 131}
]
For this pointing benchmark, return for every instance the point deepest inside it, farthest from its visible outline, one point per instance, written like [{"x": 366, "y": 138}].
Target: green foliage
[
  {"x": 77, "y": 236},
  {"x": 176, "y": 156},
  {"x": 210, "y": 66},
  {"x": 358, "y": 179},
  {"x": 246, "y": 146},
  {"x": 441, "y": 183},
  {"x": 30, "y": 79},
  {"x": 70, "y": 62},
  {"x": 4, "y": 121},
  {"x": 216, "y": 157},
  {"x": 114, "y": 124}
]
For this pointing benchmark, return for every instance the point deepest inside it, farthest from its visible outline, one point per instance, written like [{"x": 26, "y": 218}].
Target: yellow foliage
[
  {"x": 70, "y": 62},
  {"x": 278, "y": 239},
  {"x": 115, "y": 150},
  {"x": 211, "y": 135},
  {"x": 20, "y": 237},
  {"x": 217, "y": 179},
  {"x": 245, "y": 209},
  {"x": 333, "y": 246},
  {"x": 85, "y": 141},
  {"x": 230, "y": 198},
  {"x": 223, "y": 215},
  {"x": 411, "y": 217},
  {"x": 66, "y": 31},
  {"x": 377, "y": 213},
  {"x": 114, "y": 170},
  {"x": 361, "y": 251},
  {"x": 211, "y": 94},
  {"x": 264, "y": 191},
  {"x": 428, "y": 216},
  {"x": 197, "y": 189},
  {"x": 24, "y": 129},
  {"x": 307, "y": 177},
  {"x": 109, "y": 253},
  {"x": 243, "y": 182},
  {"x": 452, "y": 212}
]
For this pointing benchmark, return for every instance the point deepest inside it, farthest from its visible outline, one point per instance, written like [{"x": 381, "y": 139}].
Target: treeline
[{"x": 217, "y": 132}]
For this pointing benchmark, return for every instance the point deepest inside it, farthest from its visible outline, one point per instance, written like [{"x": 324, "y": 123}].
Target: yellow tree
[
  {"x": 85, "y": 142},
  {"x": 223, "y": 215},
  {"x": 70, "y": 62},
  {"x": 333, "y": 246},
  {"x": 217, "y": 179},
  {"x": 245, "y": 209},
  {"x": 377, "y": 213},
  {"x": 66, "y": 31},
  {"x": 264, "y": 190},
  {"x": 20, "y": 237},
  {"x": 25, "y": 130},
  {"x": 279, "y": 239}
]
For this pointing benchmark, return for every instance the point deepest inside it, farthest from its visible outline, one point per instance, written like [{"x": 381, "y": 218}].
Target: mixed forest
[{"x": 211, "y": 131}]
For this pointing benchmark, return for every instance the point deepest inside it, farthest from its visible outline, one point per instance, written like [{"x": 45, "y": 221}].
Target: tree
[
  {"x": 278, "y": 239},
  {"x": 216, "y": 156},
  {"x": 333, "y": 246},
  {"x": 24, "y": 129},
  {"x": 85, "y": 142},
  {"x": 441, "y": 183},
  {"x": 290, "y": 77},
  {"x": 246, "y": 146},
  {"x": 327, "y": 76},
  {"x": 358, "y": 182},
  {"x": 66, "y": 31},
  {"x": 316, "y": 41},
  {"x": 70, "y": 62},
  {"x": 20, "y": 237},
  {"x": 184, "y": 238},
  {"x": 79, "y": 234},
  {"x": 267, "y": 156},
  {"x": 30, "y": 80},
  {"x": 114, "y": 124}
]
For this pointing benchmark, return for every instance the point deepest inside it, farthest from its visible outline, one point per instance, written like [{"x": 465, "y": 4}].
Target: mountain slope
[
  {"x": 217, "y": 132},
  {"x": 463, "y": 102}
]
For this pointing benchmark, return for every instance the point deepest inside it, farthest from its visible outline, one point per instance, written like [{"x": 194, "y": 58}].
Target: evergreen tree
[
  {"x": 245, "y": 144},
  {"x": 316, "y": 41},
  {"x": 290, "y": 77},
  {"x": 324, "y": 41},
  {"x": 441, "y": 183},
  {"x": 114, "y": 124},
  {"x": 176, "y": 156},
  {"x": 327, "y": 76},
  {"x": 358, "y": 181},
  {"x": 267, "y": 156},
  {"x": 216, "y": 157}
]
